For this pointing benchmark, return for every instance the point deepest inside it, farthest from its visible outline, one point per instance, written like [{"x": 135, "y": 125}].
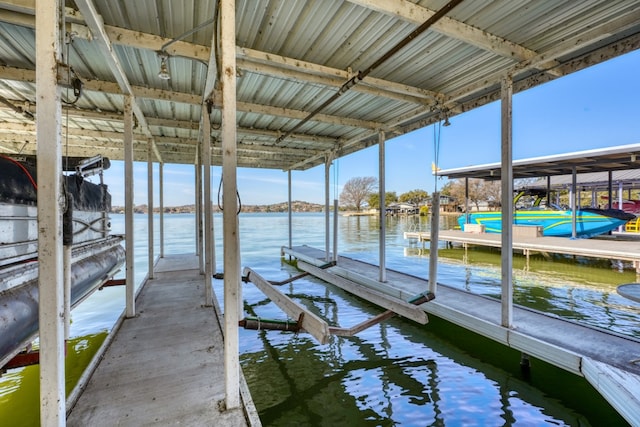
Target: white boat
[{"x": 95, "y": 256}]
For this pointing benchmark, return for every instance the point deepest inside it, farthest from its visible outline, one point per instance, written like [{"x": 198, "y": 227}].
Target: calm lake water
[{"x": 396, "y": 373}]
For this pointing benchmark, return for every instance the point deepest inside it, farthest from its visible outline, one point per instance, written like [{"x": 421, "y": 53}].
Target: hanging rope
[{"x": 437, "y": 131}]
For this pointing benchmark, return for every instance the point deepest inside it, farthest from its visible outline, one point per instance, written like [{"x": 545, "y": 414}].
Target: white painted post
[
  {"x": 620, "y": 202},
  {"x": 327, "y": 223},
  {"x": 433, "y": 242},
  {"x": 231, "y": 237},
  {"x": 50, "y": 281},
  {"x": 128, "y": 207},
  {"x": 573, "y": 203},
  {"x": 208, "y": 223},
  {"x": 382, "y": 232},
  {"x": 150, "y": 204},
  {"x": 507, "y": 200},
  {"x": 161, "y": 207},
  {"x": 289, "y": 209},
  {"x": 198, "y": 183},
  {"x": 335, "y": 230}
]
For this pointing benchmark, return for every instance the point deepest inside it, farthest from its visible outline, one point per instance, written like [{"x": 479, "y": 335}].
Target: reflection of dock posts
[
  {"x": 527, "y": 252},
  {"x": 465, "y": 257}
]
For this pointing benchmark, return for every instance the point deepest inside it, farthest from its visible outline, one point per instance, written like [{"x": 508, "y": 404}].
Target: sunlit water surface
[{"x": 396, "y": 373}]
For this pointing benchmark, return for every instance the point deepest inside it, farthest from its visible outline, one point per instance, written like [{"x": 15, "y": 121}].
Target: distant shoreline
[{"x": 296, "y": 206}]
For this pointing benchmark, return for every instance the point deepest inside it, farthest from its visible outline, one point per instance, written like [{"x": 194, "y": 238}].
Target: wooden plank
[
  {"x": 396, "y": 305},
  {"x": 311, "y": 323}
]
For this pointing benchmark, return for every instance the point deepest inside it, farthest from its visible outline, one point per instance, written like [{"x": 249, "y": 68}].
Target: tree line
[
  {"x": 360, "y": 191},
  {"x": 363, "y": 191}
]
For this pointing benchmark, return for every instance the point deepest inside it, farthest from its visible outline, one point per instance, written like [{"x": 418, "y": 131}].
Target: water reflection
[
  {"x": 584, "y": 292},
  {"x": 398, "y": 373},
  {"x": 395, "y": 373}
]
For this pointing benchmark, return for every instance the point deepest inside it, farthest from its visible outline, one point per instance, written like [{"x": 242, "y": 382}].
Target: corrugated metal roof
[
  {"x": 622, "y": 157},
  {"x": 294, "y": 54}
]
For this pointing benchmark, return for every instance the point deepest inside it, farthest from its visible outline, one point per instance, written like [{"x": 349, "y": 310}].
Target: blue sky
[{"x": 595, "y": 108}]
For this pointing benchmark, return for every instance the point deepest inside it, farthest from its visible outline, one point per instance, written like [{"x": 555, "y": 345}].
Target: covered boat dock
[{"x": 260, "y": 84}]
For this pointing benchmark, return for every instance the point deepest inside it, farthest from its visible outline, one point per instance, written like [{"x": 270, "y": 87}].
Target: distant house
[
  {"x": 447, "y": 204},
  {"x": 402, "y": 209}
]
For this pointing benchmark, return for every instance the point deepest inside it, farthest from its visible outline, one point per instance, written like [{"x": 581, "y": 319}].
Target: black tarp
[{"x": 18, "y": 185}]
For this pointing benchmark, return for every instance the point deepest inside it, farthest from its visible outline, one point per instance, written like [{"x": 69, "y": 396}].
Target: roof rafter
[{"x": 449, "y": 27}]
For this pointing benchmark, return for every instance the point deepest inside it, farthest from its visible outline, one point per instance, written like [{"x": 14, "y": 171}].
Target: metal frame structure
[{"x": 267, "y": 69}]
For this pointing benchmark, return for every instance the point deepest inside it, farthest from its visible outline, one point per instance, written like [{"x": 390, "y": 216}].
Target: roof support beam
[
  {"x": 96, "y": 25},
  {"x": 449, "y": 27}
]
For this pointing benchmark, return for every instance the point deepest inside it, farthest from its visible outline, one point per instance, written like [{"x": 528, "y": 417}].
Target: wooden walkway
[
  {"x": 607, "y": 360},
  {"x": 614, "y": 248},
  {"x": 165, "y": 366}
]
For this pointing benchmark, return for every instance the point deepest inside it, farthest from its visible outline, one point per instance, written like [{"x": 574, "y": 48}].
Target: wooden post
[
  {"x": 507, "y": 201},
  {"x": 383, "y": 220},
  {"x": 573, "y": 203},
  {"x": 128, "y": 207},
  {"x": 230, "y": 218},
  {"x": 49, "y": 15}
]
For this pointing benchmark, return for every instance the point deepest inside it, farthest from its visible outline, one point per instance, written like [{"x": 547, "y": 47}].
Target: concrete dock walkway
[{"x": 165, "y": 366}]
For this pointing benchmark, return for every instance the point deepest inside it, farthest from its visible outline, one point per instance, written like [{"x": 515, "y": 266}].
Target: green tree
[
  {"x": 357, "y": 190},
  {"x": 417, "y": 197},
  {"x": 374, "y": 199}
]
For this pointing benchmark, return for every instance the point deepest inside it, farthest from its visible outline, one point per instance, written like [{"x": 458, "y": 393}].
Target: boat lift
[{"x": 319, "y": 328}]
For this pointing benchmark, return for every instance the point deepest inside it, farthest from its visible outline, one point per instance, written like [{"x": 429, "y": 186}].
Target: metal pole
[
  {"x": 161, "y": 203},
  {"x": 327, "y": 166},
  {"x": 198, "y": 183},
  {"x": 572, "y": 202},
  {"x": 128, "y": 206},
  {"x": 208, "y": 220},
  {"x": 383, "y": 208},
  {"x": 466, "y": 201},
  {"x": 507, "y": 200},
  {"x": 150, "y": 204},
  {"x": 433, "y": 242},
  {"x": 548, "y": 191},
  {"x": 289, "y": 210},
  {"x": 49, "y": 16},
  {"x": 620, "y": 201},
  {"x": 335, "y": 230},
  {"x": 230, "y": 203},
  {"x": 610, "y": 188}
]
